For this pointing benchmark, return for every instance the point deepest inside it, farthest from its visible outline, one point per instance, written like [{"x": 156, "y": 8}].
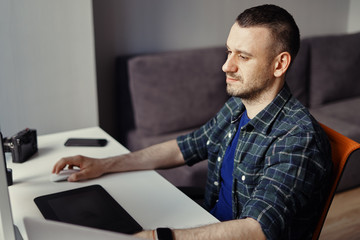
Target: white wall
[
  {"x": 354, "y": 16},
  {"x": 159, "y": 25},
  {"x": 47, "y": 65}
]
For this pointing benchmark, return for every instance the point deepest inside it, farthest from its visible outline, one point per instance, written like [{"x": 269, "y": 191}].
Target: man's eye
[
  {"x": 228, "y": 52},
  {"x": 243, "y": 57}
]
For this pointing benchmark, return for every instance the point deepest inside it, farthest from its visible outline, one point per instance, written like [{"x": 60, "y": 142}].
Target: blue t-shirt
[{"x": 223, "y": 208}]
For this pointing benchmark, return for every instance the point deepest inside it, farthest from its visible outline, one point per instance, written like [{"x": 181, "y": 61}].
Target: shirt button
[
  {"x": 208, "y": 142},
  {"x": 229, "y": 135},
  {"x": 216, "y": 183},
  {"x": 243, "y": 177},
  {"x": 219, "y": 159}
]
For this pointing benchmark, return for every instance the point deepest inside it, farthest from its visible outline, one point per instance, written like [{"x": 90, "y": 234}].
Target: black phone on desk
[{"x": 86, "y": 142}]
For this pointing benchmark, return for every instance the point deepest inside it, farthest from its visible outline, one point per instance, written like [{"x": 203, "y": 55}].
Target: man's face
[{"x": 249, "y": 65}]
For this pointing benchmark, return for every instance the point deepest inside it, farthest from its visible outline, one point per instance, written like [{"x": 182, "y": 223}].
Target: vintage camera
[{"x": 22, "y": 145}]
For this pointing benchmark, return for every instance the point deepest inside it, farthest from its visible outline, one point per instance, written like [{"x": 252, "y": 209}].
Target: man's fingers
[
  {"x": 81, "y": 175},
  {"x": 76, "y": 177},
  {"x": 67, "y": 161},
  {"x": 89, "y": 167},
  {"x": 60, "y": 165}
]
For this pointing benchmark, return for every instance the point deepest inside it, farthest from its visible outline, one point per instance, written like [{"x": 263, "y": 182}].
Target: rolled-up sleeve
[{"x": 194, "y": 145}]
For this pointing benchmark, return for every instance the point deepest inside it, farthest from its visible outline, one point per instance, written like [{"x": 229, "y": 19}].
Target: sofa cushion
[
  {"x": 351, "y": 176},
  {"x": 297, "y": 76},
  {"x": 341, "y": 116},
  {"x": 186, "y": 176},
  {"x": 335, "y": 70},
  {"x": 177, "y": 90}
]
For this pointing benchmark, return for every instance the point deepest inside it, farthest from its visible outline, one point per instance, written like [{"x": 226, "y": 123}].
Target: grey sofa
[{"x": 175, "y": 92}]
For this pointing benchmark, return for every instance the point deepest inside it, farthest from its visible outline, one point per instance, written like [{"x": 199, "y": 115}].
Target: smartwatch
[{"x": 164, "y": 234}]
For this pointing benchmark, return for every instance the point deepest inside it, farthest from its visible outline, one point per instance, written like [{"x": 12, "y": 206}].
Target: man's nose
[{"x": 229, "y": 65}]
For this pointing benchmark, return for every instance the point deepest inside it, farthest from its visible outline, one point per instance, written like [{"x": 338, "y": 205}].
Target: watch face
[{"x": 164, "y": 234}]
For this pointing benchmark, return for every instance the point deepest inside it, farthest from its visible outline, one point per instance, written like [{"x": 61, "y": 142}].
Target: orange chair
[{"x": 341, "y": 149}]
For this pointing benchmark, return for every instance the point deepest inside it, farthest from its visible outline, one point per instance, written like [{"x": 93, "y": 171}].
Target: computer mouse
[{"x": 63, "y": 175}]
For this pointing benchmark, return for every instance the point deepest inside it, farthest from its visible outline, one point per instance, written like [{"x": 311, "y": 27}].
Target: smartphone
[{"x": 85, "y": 142}]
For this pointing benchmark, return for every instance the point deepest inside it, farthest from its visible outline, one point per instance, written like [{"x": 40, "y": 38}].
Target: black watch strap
[{"x": 164, "y": 234}]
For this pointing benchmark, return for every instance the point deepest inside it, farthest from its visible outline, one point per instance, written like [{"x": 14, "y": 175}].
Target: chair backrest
[{"x": 341, "y": 149}]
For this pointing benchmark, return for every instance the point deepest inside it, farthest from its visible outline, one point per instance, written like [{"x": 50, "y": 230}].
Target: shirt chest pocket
[
  {"x": 213, "y": 151},
  {"x": 247, "y": 175}
]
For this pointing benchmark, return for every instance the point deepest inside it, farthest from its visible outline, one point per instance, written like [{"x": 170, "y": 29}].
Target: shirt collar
[
  {"x": 264, "y": 119},
  {"x": 238, "y": 110}
]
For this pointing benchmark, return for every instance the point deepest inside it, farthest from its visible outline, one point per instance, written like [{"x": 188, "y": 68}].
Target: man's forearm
[
  {"x": 236, "y": 229},
  {"x": 159, "y": 156}
]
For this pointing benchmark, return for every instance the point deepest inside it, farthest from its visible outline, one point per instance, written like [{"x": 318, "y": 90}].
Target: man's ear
[{"x": 282, "y": 63}]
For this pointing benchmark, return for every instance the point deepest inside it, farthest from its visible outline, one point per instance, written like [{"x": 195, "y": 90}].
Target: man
[{"x": 269, "y": 161}]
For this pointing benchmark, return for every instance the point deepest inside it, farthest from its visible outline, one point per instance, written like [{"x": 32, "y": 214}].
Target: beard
[{"x": 247, "y": 91}]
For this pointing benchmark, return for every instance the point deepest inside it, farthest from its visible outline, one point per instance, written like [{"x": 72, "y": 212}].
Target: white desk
[{"x": 150, "y": 199}]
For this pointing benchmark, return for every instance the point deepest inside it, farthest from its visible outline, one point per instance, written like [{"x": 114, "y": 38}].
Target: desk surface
[{"x": 150, "y": 199}]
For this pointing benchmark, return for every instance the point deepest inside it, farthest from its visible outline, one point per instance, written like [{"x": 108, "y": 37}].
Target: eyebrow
[{"x": 240, "y": 51}]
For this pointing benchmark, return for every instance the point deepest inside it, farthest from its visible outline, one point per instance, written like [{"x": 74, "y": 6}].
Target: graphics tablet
[{"x": 88, "y": 206}]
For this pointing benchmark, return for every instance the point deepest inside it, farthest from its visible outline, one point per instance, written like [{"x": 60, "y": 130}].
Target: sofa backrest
[
  {"x": 334, "y": 68},
  {"x": 327, "y": 69},
  {"x": 176, "y": 90},
  {"x": 297, "y": 77}
]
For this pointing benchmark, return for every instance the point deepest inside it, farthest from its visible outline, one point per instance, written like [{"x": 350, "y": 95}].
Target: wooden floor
[{"x": 343, "y": 220}]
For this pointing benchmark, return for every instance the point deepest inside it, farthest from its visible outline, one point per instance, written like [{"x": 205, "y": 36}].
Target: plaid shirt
[{"x": 281, "y": 165}]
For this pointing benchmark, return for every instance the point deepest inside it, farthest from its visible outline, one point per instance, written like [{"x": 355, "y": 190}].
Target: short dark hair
[{"x": 281, "y": 24}]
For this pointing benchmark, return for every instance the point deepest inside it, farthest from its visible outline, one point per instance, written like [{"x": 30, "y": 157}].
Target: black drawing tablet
[{"x": 90, "y": 206}]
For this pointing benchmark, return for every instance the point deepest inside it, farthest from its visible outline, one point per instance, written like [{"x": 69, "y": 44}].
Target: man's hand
[
  {"x": 89, "y": 167},
  {"x": 164, "y": 155}
]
